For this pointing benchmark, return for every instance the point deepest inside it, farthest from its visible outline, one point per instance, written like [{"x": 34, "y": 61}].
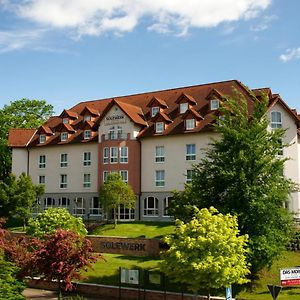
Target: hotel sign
[
  {"x": 290, "y": 276},
  {"x": 114, "y": 119}
]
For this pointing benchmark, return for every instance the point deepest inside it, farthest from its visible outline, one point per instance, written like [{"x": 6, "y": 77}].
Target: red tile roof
[{"x": 20, "y": 137}]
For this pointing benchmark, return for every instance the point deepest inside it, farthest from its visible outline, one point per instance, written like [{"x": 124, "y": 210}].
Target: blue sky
[{"x": 70, "y": 51}]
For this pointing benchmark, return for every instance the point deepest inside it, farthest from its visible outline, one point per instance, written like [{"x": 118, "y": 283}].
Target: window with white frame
[
  {"x": 190, "y": 152},
  {"x": 42, "y": 179},
  {"x": 63, "y": 181},
  {"x": 87, "y": 158},
  {"x": 115, "y": 132},
  {"x": 159, "y": 127},
  {"x": 105, "y": 155},
  {"x": 64, "y": 202},
  {"x": 87, "y": 180},
  {"x": 214, "y": 104},
  {"x": 189, "y": 175},
  {"x": 189, "y": 124},
  {"x": 42, "y": 161},
  {"x": 105, "y": 175},
  {"x": 154, "y": 111},
  {"x": 87, "y": 134},
  {"x": 63, "y": 136},
  {"x": 123, "y": 213},
  {"x": 160, "y": 178},
  {"x": 49, "y": 202},
  {"x": 183, "y": 107},
  {"x": 95, "y": 207},
  {"x": 123, "y": 155},
  {"x": 276, "y": 119},
  {"x": 63, "y": 160},
  {"x": 159, "y": 154},
  {"x": 65, "y": 120},
  {"x": 166, "y": 205},
  {"x": 87, "y": 118},
  {"x": 124, "y": 175},
  {"x": 79, "y": 206},
  {"x": 113, "y": 155},
  {"x": 150, "y": 206},
  {"x": 42, "y": 138}
]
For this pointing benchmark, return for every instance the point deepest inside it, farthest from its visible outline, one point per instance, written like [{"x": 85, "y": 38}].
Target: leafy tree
[
  {"x": 207, "y": 251},
  {"x": 242, "y": 174},
  {"x": 115, "y": 192},
  {"x": 23, "y": 113},
  {"x": 18, "y": 196},
  {"x": 52, "y": 219}
]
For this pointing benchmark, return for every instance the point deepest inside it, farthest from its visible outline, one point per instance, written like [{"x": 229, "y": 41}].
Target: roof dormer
[
  {"x": 185, "y": 101},
  {"x": 68, "y": 116},
  {"x": 44, "y": 132},
  {"x": 89, "y": 114},
  {"x": 214, "y": 97},
  {"x": 156, "y": 105},
  {"x": 160, "y": 121},
  {"x": 191, "y": 119}
]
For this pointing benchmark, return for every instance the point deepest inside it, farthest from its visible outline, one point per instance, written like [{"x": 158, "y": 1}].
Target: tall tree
[
  {"x": 206, "y": 251},
  {"x": 18, "y": 196},
  {"x": 242, "y": 174},
  {"x": 23, "y": 113},
  {"x": 115, "y": 192}
]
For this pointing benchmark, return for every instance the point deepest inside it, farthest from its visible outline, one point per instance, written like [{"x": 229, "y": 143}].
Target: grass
[{"x": 136, "y": 229}]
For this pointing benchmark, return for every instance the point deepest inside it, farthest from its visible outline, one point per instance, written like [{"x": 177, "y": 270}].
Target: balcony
[{"x": 114, "y": 136}]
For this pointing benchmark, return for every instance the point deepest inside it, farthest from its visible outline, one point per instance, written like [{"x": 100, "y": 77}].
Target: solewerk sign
[{"x": 290, "y": 276}]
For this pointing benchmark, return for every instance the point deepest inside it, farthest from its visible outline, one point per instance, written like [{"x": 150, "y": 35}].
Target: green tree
[
  {"x": 18, "y": 196},
  {"x": 52, "y": 219},
  {"x": 206, "y": 252},
  {"x": 242, "y": 174},
  {"x": 115, "y": 192},
  {"x": 23, "y": 113}
]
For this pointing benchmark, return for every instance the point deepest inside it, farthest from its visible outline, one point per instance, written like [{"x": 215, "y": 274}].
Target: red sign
[{"x": 290, "y": 282}]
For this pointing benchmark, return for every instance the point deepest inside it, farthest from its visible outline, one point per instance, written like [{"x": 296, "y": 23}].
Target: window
[
  {"x": 160, "y": 178},
  {"x": 63, "y": 181},
  {"x": 150, "y": 206},
  {"x": 276, "y": 120},
  {"x": 42, "y": 161},
  {"x": 42, "y": 179},
  {"x": 189, "y": 176},
  {"x": 183, "y": 107},
  {"x": 105, "y": 175},
  {"x": 166, "y": 205},
  {"x": 87, "y": 134},
  {"x": 124, "y": 175},
  {"x": 87, "y": 118},
  {"x": 115, "y": 132},
  {"x": 124, "y": 155},
  {"x": 86, "y": 158},
  {"x": 154, "y": 111},
  {"x": 86, "y": 180},
  {"x": 65, "y": 120},
  {"x": 159, "y": 154},
  {"x": 95, "y": 207},
  {"x": 113, "y": 155},
  {"x": 123, "y": 213},
  {"x": 63, "y": 136},
  {"x": 64, "y": 202},
  {"x": 190, "y": 152},
  {"x": 79, "y": 206},
  {"x": 214, "y": 104},
  {"x": 49, "y": 202},
  {"x": 159, "y": 127},
  {"x": 189, "y": 124},
  {"x": 42, "y": 139},
  {"x": 105, "y": 155},
  {"x": 64, "y": 160}
]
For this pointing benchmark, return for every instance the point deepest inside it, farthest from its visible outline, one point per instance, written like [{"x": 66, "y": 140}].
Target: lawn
[{"x": 136, "y": 229}]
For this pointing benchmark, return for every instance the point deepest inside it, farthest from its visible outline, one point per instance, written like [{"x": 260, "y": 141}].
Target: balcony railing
[{"x": 115, "y": 136}]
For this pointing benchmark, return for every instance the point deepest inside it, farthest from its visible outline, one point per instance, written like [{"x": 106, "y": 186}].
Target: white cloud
[
  {"x": 264, "y": 24},
  {"x": 290, "y": 54},
  {"x": 95, "y": 17}
]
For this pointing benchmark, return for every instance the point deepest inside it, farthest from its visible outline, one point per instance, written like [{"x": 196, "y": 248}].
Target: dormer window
[
  {"x": 63, "y": 136},
  {"x": 189, "y": 124},
  {"x": 42, "y": 138},
  {"x": 214, "y": 104},
  {"x": 183, "y": 107},
  {"x": 65, "y": 120},
  {"x": 87, "y": 118},
  {"x": 159, "y": 127},
  {"x": 87, "y": 134},
  {"x": 154, "y": 111}
]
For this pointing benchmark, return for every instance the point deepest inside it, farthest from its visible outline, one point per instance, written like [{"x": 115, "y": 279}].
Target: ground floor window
[
  {"x": 49, "y": 202},
  {"x": 123, "y": 213},
  {"x": 79, "y": 206},
  {"x": 64, "y": 202},
  {"x": 150, "y": 206},
  {"x": 95, "y": 207},
  {"x": 166, "y": 205}
]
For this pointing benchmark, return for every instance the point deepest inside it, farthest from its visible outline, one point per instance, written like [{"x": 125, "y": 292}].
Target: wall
[{"x": 20, "y": 159}]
